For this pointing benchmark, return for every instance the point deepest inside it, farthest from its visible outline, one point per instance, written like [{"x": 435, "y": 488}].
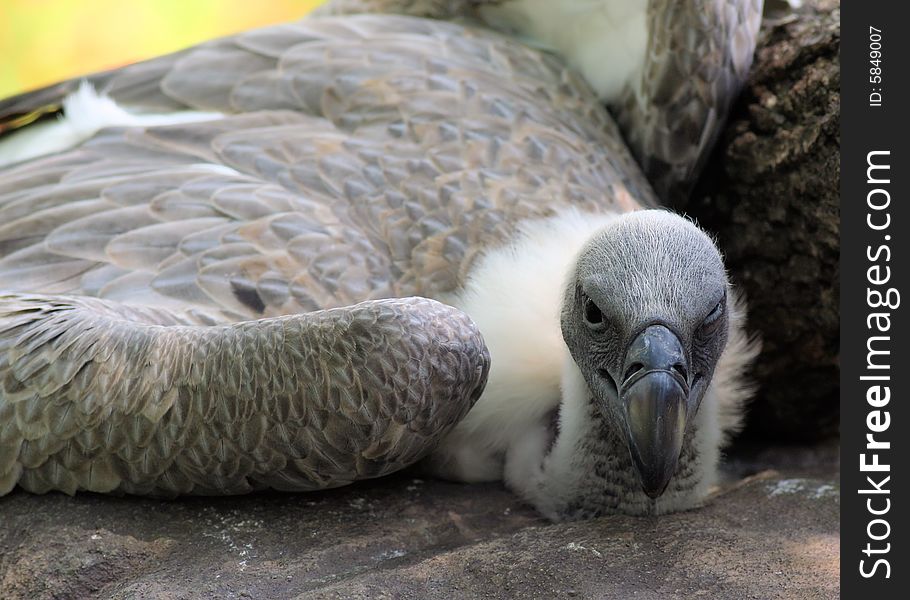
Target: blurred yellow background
[{"x": 44, "y": 41}]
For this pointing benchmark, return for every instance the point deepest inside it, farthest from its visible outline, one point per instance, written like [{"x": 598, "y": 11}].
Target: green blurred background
[{"x": 44, "y": 41}]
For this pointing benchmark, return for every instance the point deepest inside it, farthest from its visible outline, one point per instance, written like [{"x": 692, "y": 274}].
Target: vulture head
[{"x": 645, "y": 318}]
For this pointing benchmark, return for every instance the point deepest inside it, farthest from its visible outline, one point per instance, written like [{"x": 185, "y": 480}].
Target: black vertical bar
[{"x": 875, "y": 370}]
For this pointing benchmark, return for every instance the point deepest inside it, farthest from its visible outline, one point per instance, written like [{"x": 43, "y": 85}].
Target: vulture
[{"x": 394, "y": 233}]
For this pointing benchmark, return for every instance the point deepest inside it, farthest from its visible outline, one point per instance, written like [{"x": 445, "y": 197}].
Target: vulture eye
[
  {"x": 593, "y": 316},
  {"x": 714, "y": 316}
]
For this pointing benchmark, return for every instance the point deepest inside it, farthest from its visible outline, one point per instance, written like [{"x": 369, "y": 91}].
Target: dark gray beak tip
[
  {"x": 656, "y": 409},
  {"x": 655, "y": 397}
]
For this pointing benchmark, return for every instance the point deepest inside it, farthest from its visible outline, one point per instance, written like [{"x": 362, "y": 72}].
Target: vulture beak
[{"x": 654, "y": 396}]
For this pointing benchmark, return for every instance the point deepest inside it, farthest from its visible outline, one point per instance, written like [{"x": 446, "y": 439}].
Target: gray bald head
[{"x": 645, "y": 319}]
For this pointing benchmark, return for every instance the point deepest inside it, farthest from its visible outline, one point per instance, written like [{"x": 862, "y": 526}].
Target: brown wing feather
[
  {"x": 387, "y": 180},
  {"x": 99, "y": 396}
]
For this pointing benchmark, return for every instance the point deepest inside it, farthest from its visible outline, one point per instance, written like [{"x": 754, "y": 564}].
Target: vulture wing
[{"x": 146, "y": 272}]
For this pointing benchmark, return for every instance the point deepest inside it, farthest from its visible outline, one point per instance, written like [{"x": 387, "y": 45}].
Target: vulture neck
[{"x": 589, "y": 470}]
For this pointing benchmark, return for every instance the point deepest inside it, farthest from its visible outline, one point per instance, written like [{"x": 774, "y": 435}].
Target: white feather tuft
[
  {"x": 514, "y": 294},
  {"x": 732, "y": 385},
  {"x": 605, "y": 40},
  {"x": 85, "y": 113}
]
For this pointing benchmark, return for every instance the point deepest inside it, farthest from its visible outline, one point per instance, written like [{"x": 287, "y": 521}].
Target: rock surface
[{"x": 771, "y": 535}]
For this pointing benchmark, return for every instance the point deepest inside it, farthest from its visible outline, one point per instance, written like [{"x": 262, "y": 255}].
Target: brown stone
[{"x": 771, "y": 535}]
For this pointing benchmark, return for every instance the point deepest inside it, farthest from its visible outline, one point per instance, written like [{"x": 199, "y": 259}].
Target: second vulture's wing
[{"x": 698, "y": 57}]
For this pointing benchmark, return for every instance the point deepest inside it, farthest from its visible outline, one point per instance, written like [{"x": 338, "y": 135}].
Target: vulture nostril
[
  {"x": 681, "y": 369},
  {"x": 632, "y": 370}
]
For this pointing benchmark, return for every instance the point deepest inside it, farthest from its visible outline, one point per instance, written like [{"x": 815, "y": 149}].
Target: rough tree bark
[{"x": 771, "y": 195}]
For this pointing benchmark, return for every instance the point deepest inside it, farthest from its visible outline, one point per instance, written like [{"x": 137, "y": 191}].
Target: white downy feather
[
  {"x": 514, "y": 295},
  {"x": 606, "y": 40},
  {"x": 85, "y": 113}
]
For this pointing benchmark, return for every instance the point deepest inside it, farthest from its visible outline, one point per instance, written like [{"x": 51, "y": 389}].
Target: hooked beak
[{"x": 654, "y": 394}]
